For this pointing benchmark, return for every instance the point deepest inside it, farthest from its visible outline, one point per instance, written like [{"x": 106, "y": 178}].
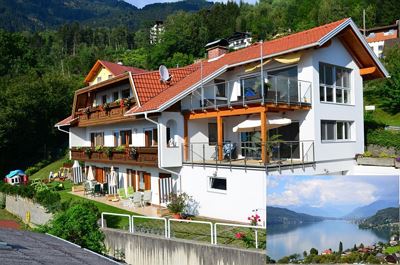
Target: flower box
[{"x": 376, "y": 161}]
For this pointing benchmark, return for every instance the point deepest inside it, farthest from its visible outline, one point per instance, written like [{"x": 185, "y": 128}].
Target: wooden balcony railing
[
  {"x": 137, "y": 156},
  {"x": 105, "y": 114}
]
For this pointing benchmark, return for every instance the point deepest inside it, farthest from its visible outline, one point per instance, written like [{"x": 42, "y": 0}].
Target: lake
[{"x": 284, "y": 240}]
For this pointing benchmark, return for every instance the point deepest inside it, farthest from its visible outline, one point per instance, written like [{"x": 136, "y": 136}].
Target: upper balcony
[
  {"x": 275, "y": 92},
  {"x": 104, "y": 114},
  {"x": 135, "y": 156}
]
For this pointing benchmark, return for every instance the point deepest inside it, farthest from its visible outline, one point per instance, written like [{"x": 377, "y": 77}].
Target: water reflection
[{"x": 284, "y": 240}]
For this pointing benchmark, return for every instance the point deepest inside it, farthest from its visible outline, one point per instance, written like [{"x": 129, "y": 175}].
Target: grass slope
[
  {"x": 44, "y": 172},
  {"x": 386, "y": 118}
]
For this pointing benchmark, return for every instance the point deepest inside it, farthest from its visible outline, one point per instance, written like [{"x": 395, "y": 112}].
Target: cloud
[{"x": 323, "y": 191}]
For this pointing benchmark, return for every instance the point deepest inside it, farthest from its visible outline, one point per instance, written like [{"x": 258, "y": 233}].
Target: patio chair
[
  {"x": 146, "y": 197},
  {"x": 136, "y": 199},
  {"x": 105, "y": 188},
  {"x": 130, "y": 191},
  {"x": 97, "y": 189},
  {"x": 123, "y": 197},
  {"x": 88, "y": 190}
]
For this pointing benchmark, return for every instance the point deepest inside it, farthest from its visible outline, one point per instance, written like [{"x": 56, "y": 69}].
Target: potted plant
[
  {"x": 87, "y": 111},
  {"x": 177, "y": 204},
  {"x": 88, "y": 152},
  {"x": 108, "y": 151},
  {"x": 106, "y": 107},
  {"x": 128, "y": 102},
  {"x": 133, "y": 153}
]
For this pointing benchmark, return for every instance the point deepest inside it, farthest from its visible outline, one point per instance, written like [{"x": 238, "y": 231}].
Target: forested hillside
[{"x": 47, "y": 58}]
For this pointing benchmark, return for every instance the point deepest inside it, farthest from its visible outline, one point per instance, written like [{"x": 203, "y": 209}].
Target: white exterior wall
[
  {"x": 338, "y": 150},
  {"x": 137, "y": 127},
  {"x": 375, "y": 47},
  {"x": 246, "y": 191},
  {"x": 77, "y": 137},
  {"x": 170, "y": 156}
]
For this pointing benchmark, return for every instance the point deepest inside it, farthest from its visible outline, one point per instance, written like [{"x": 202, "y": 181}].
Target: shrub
[
  {"x": 78, "y": 224},
  {"x": 383, "y": 155},
  {"x": 38, "y": 166},
  {"x": 178, "y": 203},
  {"x": 384, "y": 138},
  {"x": 49, "y": 199},
  {"x": 367, "y": 154}
]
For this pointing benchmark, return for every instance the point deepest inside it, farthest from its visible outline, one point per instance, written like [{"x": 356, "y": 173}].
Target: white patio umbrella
[
  {"x": 113, "y": 181},
  {"x": 90, "y": 175},
  {"x": 254, "y": 124},
  {"x": 77, "y": 172}
]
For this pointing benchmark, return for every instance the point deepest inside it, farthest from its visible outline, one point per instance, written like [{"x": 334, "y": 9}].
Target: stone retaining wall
[
  {"x": 21, "y": 206},
  {"x": 152, "y": 250}
]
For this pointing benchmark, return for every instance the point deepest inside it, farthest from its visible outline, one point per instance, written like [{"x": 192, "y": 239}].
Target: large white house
[{"x": 217, "y": 128}]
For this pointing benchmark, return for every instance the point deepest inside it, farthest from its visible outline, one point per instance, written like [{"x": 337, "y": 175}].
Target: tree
[
  {"x": 304, "y": 253},
  {"x": 313, "y": 251},
  {"x": 78, "y": 224},
  {"x": 354, "y": 247},
  {"x": 340, "y": 247}
]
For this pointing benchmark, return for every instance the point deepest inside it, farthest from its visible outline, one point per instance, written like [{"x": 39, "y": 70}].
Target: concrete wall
[
  {"x": 149, "y": 250},
  {"x": 20, "y": 206}
]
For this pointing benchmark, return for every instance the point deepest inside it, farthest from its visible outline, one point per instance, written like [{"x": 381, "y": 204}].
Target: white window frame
[
  {"x": 210, "y": 189},
  {"x": 334, "y": 86},
  {"x": 347, "y": 128}
]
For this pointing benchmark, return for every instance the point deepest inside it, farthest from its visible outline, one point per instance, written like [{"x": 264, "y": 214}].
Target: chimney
[{"x": 216, "y": 48}]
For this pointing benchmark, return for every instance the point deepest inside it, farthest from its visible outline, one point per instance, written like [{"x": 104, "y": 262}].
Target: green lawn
[
  {"x": 386, "y": 118},
  {"x": 44, "y": 172},
  {"x": 391, "y": 250}
]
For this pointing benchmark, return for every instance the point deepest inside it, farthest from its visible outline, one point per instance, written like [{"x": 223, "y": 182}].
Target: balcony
[
  {"x": 280, "y": 154},
  {"x": 276, "y": 91},
  {"x": 136, "y": 156},
  {"x": 104, "y": 114}
]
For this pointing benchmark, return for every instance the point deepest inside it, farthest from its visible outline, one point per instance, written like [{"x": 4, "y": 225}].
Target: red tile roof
[
  {"x": 65, "y": 122},
  {"x": 148, "y": 85},
  {"x": 117, "y": 69},
  {"x": 274, "y": 47},
  {"x": 114, "y": 68}
]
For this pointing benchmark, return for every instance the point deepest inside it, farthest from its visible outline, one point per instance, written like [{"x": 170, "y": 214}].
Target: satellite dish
[{"x": 164, "y": 74}]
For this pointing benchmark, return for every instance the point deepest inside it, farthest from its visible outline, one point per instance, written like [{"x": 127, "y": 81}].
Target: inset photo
[{"x": 333, "y": 219}]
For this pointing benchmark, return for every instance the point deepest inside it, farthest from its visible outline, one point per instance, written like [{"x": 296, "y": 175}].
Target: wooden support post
[
  {"x": 264, "y": 137},
  {"x": 185, "y": 139},
  {"x": 220, "y": 137}
]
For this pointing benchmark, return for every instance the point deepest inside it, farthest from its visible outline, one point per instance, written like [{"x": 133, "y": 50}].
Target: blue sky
[
  {"x": 142, "y": 3},
  {"x": 330, "y": 192}
]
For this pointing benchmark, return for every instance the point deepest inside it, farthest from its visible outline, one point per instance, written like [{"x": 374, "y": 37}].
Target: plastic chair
[
  {"x": 97, "y": 189},
  {"x": 136, "y": 199},
  {"x": 146, "y": 197}
]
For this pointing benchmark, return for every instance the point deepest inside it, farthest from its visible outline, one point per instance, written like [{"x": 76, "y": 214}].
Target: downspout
[
  {"x": 160, "y": 152},
  {"x": 69, "y": 138}
]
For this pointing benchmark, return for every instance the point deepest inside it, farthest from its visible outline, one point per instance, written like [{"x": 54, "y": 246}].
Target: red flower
[{"x": 239, "y": 235}]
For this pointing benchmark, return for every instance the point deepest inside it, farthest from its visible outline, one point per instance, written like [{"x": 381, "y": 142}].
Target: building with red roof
[{"x": 210, "y": 129}]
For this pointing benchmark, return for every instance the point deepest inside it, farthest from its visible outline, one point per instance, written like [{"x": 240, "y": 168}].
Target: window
[
  {"x": 380, "y": 48},
  {"x": 126, "y": 93},
  {"x": 151, "y": 137},
  {"x": 334, "y": 84},
  {"x": 116, "y": 139},
  {"x": 104, "y": 99},
  {"x": 115, "y": 96},
  {"x": 97, "y": 139},
  {"x": 217, "y": 183},
  {"x": 335, "y": 130},
  {"x": 126, "y": 137},
  {"x": 212, "y": 134},
  {"x": 99, "y": 79},
  {"x": 220, "y": 87},
  {"x": 110, "y": 76}
]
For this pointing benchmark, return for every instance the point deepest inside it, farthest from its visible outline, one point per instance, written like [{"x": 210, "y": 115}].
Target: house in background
[
  {"x": 380, "y": 37},
  {"x": 156, "y": 31},
  {"x": 240, "y": 40},
  {"x": 215, "y": 129}
]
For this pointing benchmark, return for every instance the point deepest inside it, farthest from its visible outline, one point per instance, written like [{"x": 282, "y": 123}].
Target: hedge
[{"x": 384, "y": 138}]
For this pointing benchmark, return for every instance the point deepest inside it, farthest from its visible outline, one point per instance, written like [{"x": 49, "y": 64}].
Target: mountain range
[
  {"x": 35, "y": 15},
  {"x": 277, "y": 215},
  {"x": 371, "y": 209},
  {"x": 384, "y": 216}
]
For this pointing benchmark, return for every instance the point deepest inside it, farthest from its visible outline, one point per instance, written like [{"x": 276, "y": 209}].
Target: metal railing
[
  {"x": 248, "y": 90},
  {"x": 185, "y": 229},
  {"x": 150, "y": 225},
  {"x": 283, "y": 153},
  {"x": 201, "y": 231},
  {"x": 119, "y": 215},
  {"x": 240, "y": 233}
]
